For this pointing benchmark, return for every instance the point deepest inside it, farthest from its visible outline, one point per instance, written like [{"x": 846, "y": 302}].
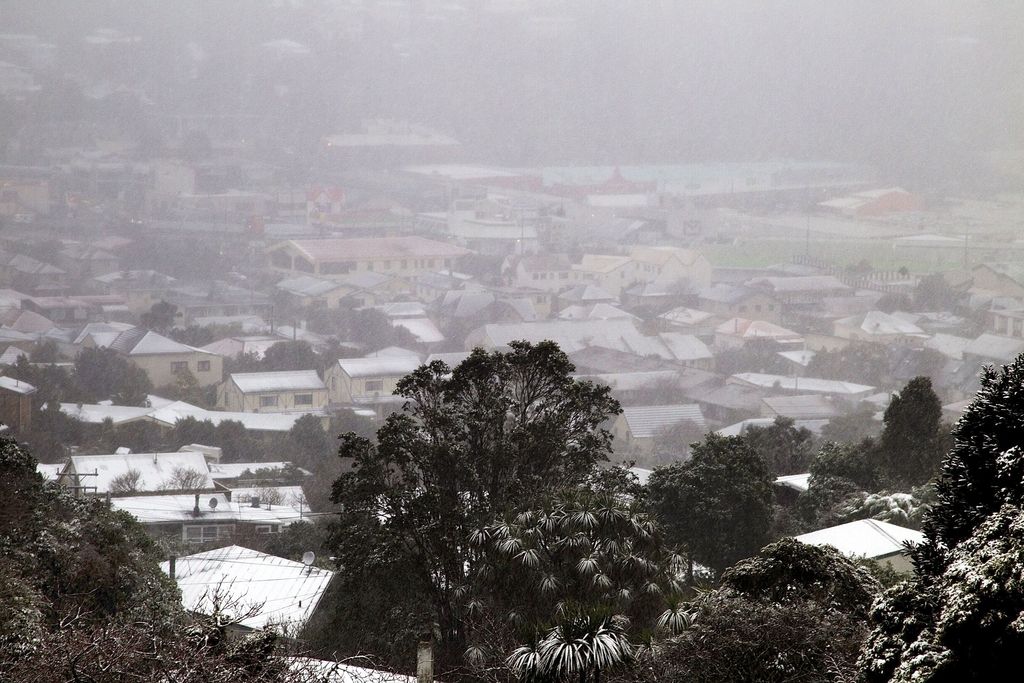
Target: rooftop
[
  {"x": 868, "y": 538},
  {"x": 333, "y": 249},
  {"x": 648, "y": 421},
  {"x": 284, "y": 593},
  {"x": 288, "y": 380}
]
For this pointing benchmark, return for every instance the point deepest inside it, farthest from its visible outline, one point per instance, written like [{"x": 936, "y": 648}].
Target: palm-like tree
[{"x": 578, "y": 649}]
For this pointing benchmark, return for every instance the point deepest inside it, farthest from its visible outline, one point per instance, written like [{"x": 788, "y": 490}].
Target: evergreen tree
[
  {"x": 910, "y": 448},
  {"x": 718, "y": 505}
]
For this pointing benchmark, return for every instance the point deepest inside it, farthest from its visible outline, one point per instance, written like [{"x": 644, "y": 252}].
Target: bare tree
[
  {"x": 126, "y": 482},
  {"x": 185, "y": 479}
]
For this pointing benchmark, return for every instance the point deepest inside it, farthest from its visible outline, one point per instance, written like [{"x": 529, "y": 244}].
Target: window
[
  {"x": 757, "y": 307},
  {"x": 179, "y": 366},
  {"x": 204, "y": 366},
  {"x": 205, "y": 533},
  {"x": 743, "y": 308},
  {"x": 268, "y": 401},
  {"x": 771, "y": 307},
  {"x": 303, "y": 399},
  {"x": 375, "y": 385},
  {"x": 563, "y": 276},
  {"x": 335, "y": 268},
  {"x": 264, "y": 529}
]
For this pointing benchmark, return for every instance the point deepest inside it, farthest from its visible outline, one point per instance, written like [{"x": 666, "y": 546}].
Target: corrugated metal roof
[
  {"x": 287, "y": 380},
  {"x": 16, "y": 386},
  {"x": 868, "y": 538},
  {"x": 386, "y": 366},
  {"x": 155, "y": 469},
  {"x": 647, "y": 421},
  {"x": 809, "y": 384},
  {"x": 285, "y": 592}
]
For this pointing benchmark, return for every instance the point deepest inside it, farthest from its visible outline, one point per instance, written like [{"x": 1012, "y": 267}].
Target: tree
[
  {"x": 910, "y": 448},
  {"x": 289, "y": 355},
  {"x": 160, "y": 317},
  {"x": 852, "y": 427},
  {"x": 838, "y": 472},
  {"x": 960, "y": 624},
  {"x": 572, "y": 581},
  {"x": 185, "y": 479},
  {"x": 310, "y": 440},
  {"x": 717, "y": 506},
  {"x": 101, "y": 373},
  {"x": 784, "y": 447},
  {"x": 495, "y": 434},
  {"x": 793, "y": 612},
  {"x": 933, "y": 293},
  {"x": 126, "y": 482}
]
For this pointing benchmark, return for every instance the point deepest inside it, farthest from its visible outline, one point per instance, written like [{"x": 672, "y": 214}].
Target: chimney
[
  {"x": 255, "y": 501},
  {"x": 425, "y": 662},
  {"x": 195, "y": 510},
  {"x": 172, "y": 569}
]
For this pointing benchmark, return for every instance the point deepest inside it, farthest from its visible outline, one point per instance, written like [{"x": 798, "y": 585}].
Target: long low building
[
  {"x": 869, "y": 539},
  {"x": 333, "y": 258},
  {"x": 168, "y": 413}
]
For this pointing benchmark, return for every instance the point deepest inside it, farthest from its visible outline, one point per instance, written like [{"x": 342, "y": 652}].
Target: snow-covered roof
[
  {"x": 809, "y": 384},
  {"x": 16, "y": 386},
  {"x": 685, "y": 347},
  {"x": 881, "y": 323},
  {"x": 598, "y": 311},
  {"x": 648, "y": 421},
  {"x": 995, "y": 347},
  {"x": 286, "y": 593},
  {"x": 287, "y": 380},
  {"x": 323, "y": 671},
  {"x": 868, "y": 538},
  {"x": 741, "y": 427},
  {"x": 386, "y": 366},
  {"x": 758, "y": 329},
  {"x": 802, "y": 357},
  {"x": 797, "y": 482},
  {"x": 685, "y": 316},
  {"x": 234, "y": 470},
  {"x": 631, "y": 381},
  {"x": 423, "y": 329},
  {"x": 11, "y": 355},
  {"x": 155, "y": 469},
  {"x": 50, "y": 471},
  {"x": 452, "y": 359}
]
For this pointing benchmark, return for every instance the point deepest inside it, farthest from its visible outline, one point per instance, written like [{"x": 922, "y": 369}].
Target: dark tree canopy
[
  {"x": 717, "y": 506},
  {"x": 500, "y": 431},
  {"x": 910, "y": 448},
  {"x": 784, "y": 447}
]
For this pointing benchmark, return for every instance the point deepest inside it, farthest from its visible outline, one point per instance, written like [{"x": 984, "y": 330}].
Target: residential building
[
  {"x": 731, "y": 301},
  {"x": 548, "y": 272},
  {"x": 208, "y": 517},
  {"x": 739, "y": 332},
  {"x": 874, "y": 202},
  {"x": 336, "y": 258},
  {"x": 880, "y": 328},
  {"x": 807, "y": 407},
  {"x": 637, "y": 428},
  {"x": 801, "y": 385},
  {"x": 16, "y": 403},
  {"x": 259, "y": 590},
  {"x": 136, "y": 473},
  {"x": 370, "y": 381},
  {"x": 870, "y": 539},
  {"x": 162, "y": 359},
  {"x": 272, "y": 392}
]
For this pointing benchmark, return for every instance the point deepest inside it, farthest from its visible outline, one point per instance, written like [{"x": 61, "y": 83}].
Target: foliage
[
  {"x": 933, "y": 293},
  {"x": 496, "y": 433},
  {"x": 572, "y": 581},
  {"x": 864, "y": 363},
  {"x": 984, "y": 469},
  {"x": 160, "y": 317},
  {"x": 102, "y": 373},
  {"x": 751, "y": 357},
  {"x": 717, "y": 506},
  {"x": 289, "y": 355},
  {"x": 126, "y": 482},
  {"x": 792, "y": 612},
  {"x": 852, "y": 427},
  {"x": 964, "y": 623},
  {"x": 784, "y": 447},
  {"x": 839, "y": 472},
  {"x": 910, "y": 448}
]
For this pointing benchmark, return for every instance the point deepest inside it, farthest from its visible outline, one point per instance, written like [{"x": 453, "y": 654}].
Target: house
[
  {"x": 672, "y": 267},
  {"x": 611, "y": 273},
  {"x": 334, "y": 258},
  {"x": 871, "y": 539},
  {"x": 548, "y": 272},
  {"x": 802, "y": 291},
  {"x": 140, "y": 288},
  {"x": 215, "y": 299},
  {"x": 257, "y": 589},
  {"x": 731, "y": 301},
  {"x": 688, "y": 320},
  {"x": 998, "y": 279},
  {"x": 308, "y": 290},
  {"x": 594, "y": 312},
  {"x": 637, "y": 428},
  {"x": 208, "y": 517},
  {"x": 163, "y": 359},
  {"x": 135, "y": 473},
  {"x": 231, "y": 347},
  {"x": 272, "y": 392},
  {"x": 368, "y": 380},
  {"x": 16, "y": 403},
  {"x": 880, "y": 328},
  {"x": 805, "y": 385},
  {"x": 727, "y": 403},
  {"x": 801, "y": 407},
  {"x": 85, "y": 261},
  {"x": 992, "y": 348},
  {"x": 739, "y": 332}
]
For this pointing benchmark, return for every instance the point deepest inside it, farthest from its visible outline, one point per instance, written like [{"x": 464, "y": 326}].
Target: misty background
[{"x": 919, "y": 90}]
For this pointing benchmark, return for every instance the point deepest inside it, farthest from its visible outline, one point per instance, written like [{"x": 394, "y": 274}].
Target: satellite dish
[
  {"x": 308, "y": 558},
  {"x": 213, "y": 503}
]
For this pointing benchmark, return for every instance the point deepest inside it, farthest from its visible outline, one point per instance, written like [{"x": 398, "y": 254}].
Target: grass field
[{"x": 879, "y": 254}]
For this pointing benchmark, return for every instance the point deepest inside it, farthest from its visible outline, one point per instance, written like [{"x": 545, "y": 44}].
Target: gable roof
[
  {"x": 155, "y": 469},
  {"x": 868, "y": 538},
  {"x": 286, "y": 380},
  {"x": 648, "y": 421},
  {"x": 881, "y": 323},
  {"x": 142, "y": 342},
  {"x": 286, "y": 592},
  {"x": 335, "y": 249},
  {"x": 382, "y": 366}
]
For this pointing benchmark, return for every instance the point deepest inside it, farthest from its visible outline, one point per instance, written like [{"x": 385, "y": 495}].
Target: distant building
[
  {"x": 368, "y": 381},
  {"x": 336, "y": 258},
  {"x": 732, "y": 301},
  {"x": 274, "y": 392},
  {"x": 874, "y": 202},
  {"x": 163, "y": 359},
  {"x": 870, "y": 539},
  {"x": 16, "y": 403}
]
